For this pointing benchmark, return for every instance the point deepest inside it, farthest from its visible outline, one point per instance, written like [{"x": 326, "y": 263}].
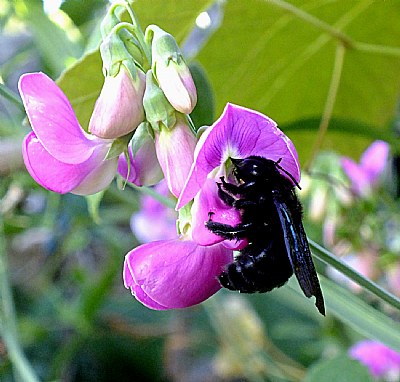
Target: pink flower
[
  {"x": 238, "y": 133},
  {"x": 175, "y": 148},
  {"x": 59, "y": 154},
  {"x": 184, "y": 271},
  {"x": 144, "y": 169},
  {"x": 175, "y": 273},
  {"x": 119, "y": 108},
  {"x": 365, "y": 176},
  {"x": 171, "y": 71},
  {"x": 380, "y": 359},
  {"x": 154, "y": 221}
]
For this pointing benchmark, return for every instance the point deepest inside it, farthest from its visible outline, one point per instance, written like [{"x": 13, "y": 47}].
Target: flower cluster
[{"x": 141, "y": 129}]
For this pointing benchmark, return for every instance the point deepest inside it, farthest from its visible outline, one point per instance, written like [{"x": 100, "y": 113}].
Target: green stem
[
  {"x": 330, "y": 102},
  {"x": 329, "y": 29},
  {"x": 138, "y": 31},
  {"x": 330, "y": 259},
  {"x": 149, "y": 191},
  {"x": 8, "y": 326},
  {"x": 377, "y": 49},
  {"x": 11, "y": 96}
]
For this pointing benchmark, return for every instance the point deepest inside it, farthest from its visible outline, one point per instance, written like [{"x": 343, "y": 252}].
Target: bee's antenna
[{"x": 287, "y": 173}]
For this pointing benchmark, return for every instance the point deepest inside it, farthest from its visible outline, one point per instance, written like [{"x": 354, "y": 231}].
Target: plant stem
[
  {"x": 149, "y": 191},
  {"x": 330, "y": 259},
  {"x": 299, "y": 13},
  {"x": 8, "y": 325},
  {"x": 330, "y": 102}
]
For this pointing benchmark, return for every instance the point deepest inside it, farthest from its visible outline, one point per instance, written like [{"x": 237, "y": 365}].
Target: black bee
[{"x": 272, "y": 225}]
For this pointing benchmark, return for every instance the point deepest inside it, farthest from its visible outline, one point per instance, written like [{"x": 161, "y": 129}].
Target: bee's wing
[{"x": 298, "y": 250}]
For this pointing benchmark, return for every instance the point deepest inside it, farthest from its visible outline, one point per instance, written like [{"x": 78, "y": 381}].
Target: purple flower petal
[
  {"x": 238, "y": 133},
  {"x": 360, "y": 182},
  {"x": 144, "y": 167},
  {"x": 380, "y": 359},
  {"x": 374, "y": 160},
  {"x": 53, "y": 120},
  {"x": 174, "y": 273},
  {"x": 57, "y": 176},
  {"x": 207, "y": 200}
]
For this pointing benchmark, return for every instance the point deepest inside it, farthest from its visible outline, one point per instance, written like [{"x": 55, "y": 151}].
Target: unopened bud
[{"x": 171, "y": 71}]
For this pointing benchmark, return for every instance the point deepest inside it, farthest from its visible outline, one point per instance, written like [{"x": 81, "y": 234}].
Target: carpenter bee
[{"x": 271, "y": 223}]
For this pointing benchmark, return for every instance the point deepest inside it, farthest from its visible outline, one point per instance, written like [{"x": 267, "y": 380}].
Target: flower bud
[
  {"x": 175, "y": 148},
  {"x": 171, "y": 71},
  {"x": 158, "y": 109},
  {"x": 119, "y": 108}
]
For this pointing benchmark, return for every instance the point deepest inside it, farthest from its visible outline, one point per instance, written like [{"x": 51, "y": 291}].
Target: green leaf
[
  {"x": 268, "y": 59},
  {"x": 204, "y": 112},
  {"x": 338, "y": 369},
  {"x": 82, "y": 84},
  {"x": 176, "y": 17}
]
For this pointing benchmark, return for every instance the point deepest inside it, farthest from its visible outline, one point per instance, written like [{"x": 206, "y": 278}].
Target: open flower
[
  {"x": 366, "y": 175},
  {"x": 59, "y": 154},
  {"x": 382, "y": 362},
  {"x": 238, "y": 133},
  {"x": 184, "y": 271},
  {"x": 175, "y": 273}
]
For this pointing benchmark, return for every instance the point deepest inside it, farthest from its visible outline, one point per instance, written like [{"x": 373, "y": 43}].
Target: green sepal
[
  {"x": 93, "y": 203},
  {"x": 116, "y": 49},
  {"x": 119, "y": 145},
  {"x": 158, "y": 109},
  {"x": 184, "y": 221},
  {"x": 142, "y": 134},
  {"x": 109, "y": 21}
]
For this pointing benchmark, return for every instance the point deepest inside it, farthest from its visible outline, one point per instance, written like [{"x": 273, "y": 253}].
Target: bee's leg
[{"x": 239, "y": 231}]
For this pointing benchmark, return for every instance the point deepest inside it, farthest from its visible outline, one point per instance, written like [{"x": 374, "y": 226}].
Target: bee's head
[{"x": 254, "y": 168}]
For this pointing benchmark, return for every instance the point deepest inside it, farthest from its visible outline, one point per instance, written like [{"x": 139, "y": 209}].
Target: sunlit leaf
[{"x": 267, "y": 59}]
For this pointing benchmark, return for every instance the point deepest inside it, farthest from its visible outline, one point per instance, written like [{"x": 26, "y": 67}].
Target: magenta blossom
[
  {"x": 238, "y": 133},
  {"x": 381, "y": 361},
  {"x": 154, "y": 221},
  {"x": 366, "y": 175},
  {"x": 59, "y": 154},
  {"x": 184, "y": 271},
  {"x": 175, "y": 273}
]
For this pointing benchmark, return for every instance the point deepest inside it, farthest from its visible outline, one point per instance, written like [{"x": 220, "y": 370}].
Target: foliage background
[{"x": 327, "y": 71}]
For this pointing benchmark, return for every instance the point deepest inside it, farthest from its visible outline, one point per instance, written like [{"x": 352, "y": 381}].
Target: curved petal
[
  {"x": 206, "y": 201},
  {"x": 98, "y": 178},
  {"x": 238, "y": 133},
  {"x": 176, "y": 273},
  {"x": 53, "y": 120},
  {"x": 52, "y": 174},
  {"x": 174, "y": 150},
  {"x": 137, "y": 291}
]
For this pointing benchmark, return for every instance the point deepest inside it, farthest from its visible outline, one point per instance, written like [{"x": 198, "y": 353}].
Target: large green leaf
[
  {"x": 175, "y": 16},
  {"x": 268, "y": 59},
  {"x": 82, "y": 84}
]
